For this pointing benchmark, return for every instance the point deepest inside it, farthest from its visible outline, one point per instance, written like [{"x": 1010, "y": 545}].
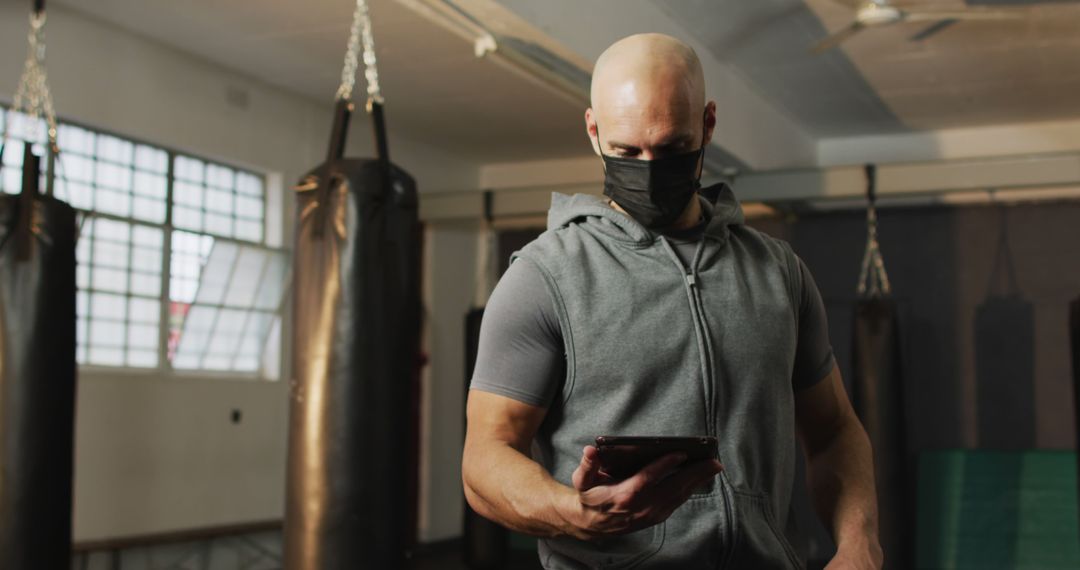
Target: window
[
  {"x": 20, "y": 129},
  {"x": 173, "y": 269}
]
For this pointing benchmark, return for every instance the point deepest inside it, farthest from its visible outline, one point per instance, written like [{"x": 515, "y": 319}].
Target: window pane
[
  {"x": 189, "y": 169},
  {"x": 112, "y": 176},
  {"x": 218, "y": 200},
  {"x": 75, "y": 140},
  {"x": 220, "y": 177},
  {"x": 109, "y": 280},
  {"x": 142, "y": 358},
  {"x": 147, "y": 285},
  {"x": 247, "y": 275},
  {"x": 187, "y": 218},
  {"x": 151, "y": 159},
  {"x": 143, "y": 337},
  {"x": 188, "y": 194},
  {"x": 106, "y": 356},
  {"x": 115, "y": 203},
  {"x": 76, "y": 168},
  {"x": 216, "y": 273},
  {"x": 151, "y": 186},
  {"x": 146, "y": 311},
  {"x": 106, "y": 306},
  {"x": 118, "y": 304},
  {"x": 149, "y": 210},
  {"x": 114, "y": 149},
  {"x": 146, "y": 260}
]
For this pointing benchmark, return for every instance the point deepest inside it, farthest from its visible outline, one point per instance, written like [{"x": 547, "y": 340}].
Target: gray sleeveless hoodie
[{"x": 654, "y": 348}]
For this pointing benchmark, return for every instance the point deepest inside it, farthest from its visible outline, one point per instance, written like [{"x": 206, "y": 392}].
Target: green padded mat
[{"x": 987, "y": 510}]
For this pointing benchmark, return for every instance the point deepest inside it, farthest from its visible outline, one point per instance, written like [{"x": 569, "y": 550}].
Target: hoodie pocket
[
  {"x": 615, "y": 553},
  {"x": 759, "y": 543}
]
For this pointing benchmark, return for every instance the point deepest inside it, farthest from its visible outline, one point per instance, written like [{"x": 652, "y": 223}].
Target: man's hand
[
  {"x": 864, "y": 558},
  {"x": 603, "y": 507}
]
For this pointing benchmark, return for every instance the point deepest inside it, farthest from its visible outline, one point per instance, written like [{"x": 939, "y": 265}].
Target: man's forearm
[
  {"x": 506, "y": 486},
  {"x": 841, "y": 477}
]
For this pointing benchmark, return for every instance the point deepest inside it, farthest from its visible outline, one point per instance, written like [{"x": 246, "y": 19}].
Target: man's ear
[
  {"x": 710, "y": 121},
  {"x": 590, "y": 130}
]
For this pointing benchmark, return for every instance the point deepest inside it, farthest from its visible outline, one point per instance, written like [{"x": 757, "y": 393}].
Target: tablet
[{"x": 623, "y": 456}]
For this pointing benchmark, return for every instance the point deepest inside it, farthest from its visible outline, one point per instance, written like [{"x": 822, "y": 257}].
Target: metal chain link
[
  {"x": 873, "y": 279},
  {"x": 360, "y": 38},
  {"x": 32, "y": 97}
]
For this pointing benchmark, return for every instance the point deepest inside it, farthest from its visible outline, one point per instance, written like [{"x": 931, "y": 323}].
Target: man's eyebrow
[
  {"x": 676, "y": 140},
  {"x": 673, "y": 141}
]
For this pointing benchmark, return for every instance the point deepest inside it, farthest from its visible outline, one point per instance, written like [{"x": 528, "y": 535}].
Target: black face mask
[{"x": 654, "y": 192}]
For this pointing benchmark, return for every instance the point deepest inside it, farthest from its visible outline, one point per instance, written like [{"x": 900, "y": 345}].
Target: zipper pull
[{"x": 691, "y": 279}]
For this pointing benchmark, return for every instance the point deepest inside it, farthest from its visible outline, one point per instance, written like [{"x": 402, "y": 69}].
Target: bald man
[{"x": 655, "y": 311}]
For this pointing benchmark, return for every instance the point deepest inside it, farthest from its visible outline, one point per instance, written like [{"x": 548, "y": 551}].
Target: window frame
[{"x": 164, "y": 366}]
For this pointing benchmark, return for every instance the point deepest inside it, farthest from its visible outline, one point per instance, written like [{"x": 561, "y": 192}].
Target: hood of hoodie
[{"x": 721, "y": 212}]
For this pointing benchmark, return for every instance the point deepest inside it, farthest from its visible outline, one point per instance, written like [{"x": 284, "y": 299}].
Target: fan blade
[
  {"x": 933, "y": 30},
  {"x": 933, "y": 15},
  {"x": 836, "y": 39}
]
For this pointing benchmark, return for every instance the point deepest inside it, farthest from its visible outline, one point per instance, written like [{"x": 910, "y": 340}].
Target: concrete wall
[{"x": 157, "y": 454}]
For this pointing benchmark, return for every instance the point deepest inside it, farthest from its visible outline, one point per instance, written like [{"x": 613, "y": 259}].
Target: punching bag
[
  {"x": 1074, "y": 338},
  {"x": 355, "y": 347},
  {"x": 1005, "y": 357},
  {"x": 487, "y": 544},
  {"x": 878, "y": 398},
  {"x": 37, "y": 376},
  {"x": 355, "y": 344}
]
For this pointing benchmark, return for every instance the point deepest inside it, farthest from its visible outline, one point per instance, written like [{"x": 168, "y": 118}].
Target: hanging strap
[
  {"x": 32, "y": 97},
  {"x": 1003, "y": 259},
  {"x": 24, "y": 225},
  {"x": 361, "y": 41},
  {"x": 873, "y": 279}
]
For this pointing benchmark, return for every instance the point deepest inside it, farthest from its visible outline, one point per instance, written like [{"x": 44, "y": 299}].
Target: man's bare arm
[
  {"x": 504, "y": 484},
  {"x": 501, "y": 481},
  {"x": 840, "y": 469}
]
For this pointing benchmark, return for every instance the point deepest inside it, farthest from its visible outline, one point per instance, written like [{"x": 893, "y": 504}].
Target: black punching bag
[
  {"x": 1074, "y": 337},
  {"x": 356, "y": 317},
  {"x": 486, "y": 544},
  {"x": 878, "y": 397},
  {"x": 1005, "y": 357},
  {"x": 37, "y": 376}
]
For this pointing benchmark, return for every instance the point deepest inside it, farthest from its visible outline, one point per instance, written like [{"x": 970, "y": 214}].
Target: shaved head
[
  {"x": 648, "y": 63},
  {"x": 648, "y": 98}
]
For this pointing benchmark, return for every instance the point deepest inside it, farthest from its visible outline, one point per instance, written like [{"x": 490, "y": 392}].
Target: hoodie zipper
[{"x": 697, "y": 311}]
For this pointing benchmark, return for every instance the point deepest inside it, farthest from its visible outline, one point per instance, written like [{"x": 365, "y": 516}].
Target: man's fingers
[
  {"x": 587, "y": 474},
  {"x": 655, "y": 471},
  {"x": 692, "y": 477}
]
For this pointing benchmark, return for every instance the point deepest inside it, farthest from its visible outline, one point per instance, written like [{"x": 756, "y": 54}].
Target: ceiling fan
[{"x": 879, "y": 13}]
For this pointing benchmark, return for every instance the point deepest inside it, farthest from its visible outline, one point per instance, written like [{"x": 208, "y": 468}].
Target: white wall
[
  {"x": 157, "y": 454},
  {"x": 449, "y": 293}
]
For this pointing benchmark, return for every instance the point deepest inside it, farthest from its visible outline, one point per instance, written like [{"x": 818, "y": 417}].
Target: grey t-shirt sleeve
[
  {"x": 520, "y": 354},
  {"x": 814, "y": 358}
]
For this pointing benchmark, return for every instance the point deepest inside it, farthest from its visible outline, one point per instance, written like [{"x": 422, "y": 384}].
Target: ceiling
[
  {"x": 887, "y": 80},
  {"x": 880, "y": 82},
  {"x": 436, "y": 90}
]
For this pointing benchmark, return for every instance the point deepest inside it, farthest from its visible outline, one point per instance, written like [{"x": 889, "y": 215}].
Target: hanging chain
[
  {"x": 873, "y": 279},
  {"x": 360, "y": 39},
  {"x": 32, "y": 97}
]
